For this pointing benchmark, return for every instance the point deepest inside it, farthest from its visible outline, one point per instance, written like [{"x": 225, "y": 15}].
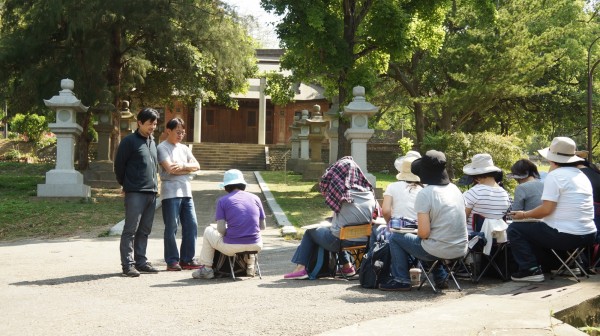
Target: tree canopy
[{"x": 194, "y": 48}]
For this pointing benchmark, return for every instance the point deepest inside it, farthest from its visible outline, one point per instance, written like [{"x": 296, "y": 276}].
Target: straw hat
[
  {"x": 481, "y": 164},
  {"x": 561, "y": 150},
  {"x": 405, "y": 174}
]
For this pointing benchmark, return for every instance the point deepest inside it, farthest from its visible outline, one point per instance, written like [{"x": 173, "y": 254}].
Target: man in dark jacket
[{"x": 136, "y": 165}]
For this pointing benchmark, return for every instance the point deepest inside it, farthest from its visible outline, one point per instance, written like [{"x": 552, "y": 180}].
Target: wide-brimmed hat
[
  {"x": 431, "y": 168},
  {"x": 561, "y": 150},
  {"x": 409, "y": 154},
  {"x": 481, "y": 164},
  {"x": 232, "y": 176},
  {"x": 405, "y": 174}
]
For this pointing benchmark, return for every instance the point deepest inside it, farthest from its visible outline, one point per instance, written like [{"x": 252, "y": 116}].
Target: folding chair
[
  {"x": 448, "y": 265},
  {"x": 498, "y": 249},
  {"x": 245, "y": 254},
  {"x": 354, "y": 240},
  {"x": 573, "y": 259}
]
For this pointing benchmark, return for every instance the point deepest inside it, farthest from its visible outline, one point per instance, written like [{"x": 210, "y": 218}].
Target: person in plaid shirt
[{"x": 351, "y": 197}]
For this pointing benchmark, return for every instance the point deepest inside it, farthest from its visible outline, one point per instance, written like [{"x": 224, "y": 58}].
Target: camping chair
[
  {"x": 354, "y": 239},
  {"x": 245, "y": 255},
  {"x": 498, "y": 250},
  {"x": 573, "y": 260},
  {"x": 428, "y": 267}
]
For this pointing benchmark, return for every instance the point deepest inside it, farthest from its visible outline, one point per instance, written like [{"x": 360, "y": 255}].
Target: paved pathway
[{"x": 74, "y": 287}]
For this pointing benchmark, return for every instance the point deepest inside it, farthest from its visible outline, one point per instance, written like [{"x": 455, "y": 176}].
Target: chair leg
[
  {"x": 231, "y": 261},
  {"x": 257, "y": 265},
  {"x": 572, "y": 257},
  {"x": 492, "y": 262},
  {"x": 427, "y": 274}
]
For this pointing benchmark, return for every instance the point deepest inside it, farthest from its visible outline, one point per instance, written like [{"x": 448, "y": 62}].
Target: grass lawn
[
  {"x": 301, "y": 201},
  {"x": 23, "y": 215}
]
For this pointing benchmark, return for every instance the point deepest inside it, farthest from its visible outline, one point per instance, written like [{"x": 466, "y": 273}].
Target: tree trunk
[
  {"x": 419, "y": 124},
  {"x": 113, "y": 75}
]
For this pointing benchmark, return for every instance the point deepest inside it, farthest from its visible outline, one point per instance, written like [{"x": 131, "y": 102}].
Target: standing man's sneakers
[
  {"x": 146, "y": 268},
  {"x": 174, "y": 267},
  {"x": 131, "y": 272},
  {"x": 203, "y": 273},
  {"x": 189, "y": 265},
  {"x": 532, "y": 275}
]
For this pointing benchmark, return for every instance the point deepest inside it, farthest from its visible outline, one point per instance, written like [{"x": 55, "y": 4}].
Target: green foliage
[
  {"x": 405, "y": 145},
  {"x": 92, "y": 134},
  {"x": 460, "y": 147},
  {"x": 13, "y": 155},
  {"x": 20, "y": 217},
  {"x": 280, "y": 88},
  {"x": 32, "y": 126}
]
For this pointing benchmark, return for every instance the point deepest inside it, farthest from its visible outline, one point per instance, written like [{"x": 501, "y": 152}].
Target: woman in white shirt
[{"x": 567, "y": 212}]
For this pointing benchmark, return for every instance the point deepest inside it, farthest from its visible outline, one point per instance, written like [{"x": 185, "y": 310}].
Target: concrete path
[{"x": 74, "y": 287}]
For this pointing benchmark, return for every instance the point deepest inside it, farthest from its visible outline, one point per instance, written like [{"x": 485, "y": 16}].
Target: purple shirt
[{"x": 242, "y": 211}]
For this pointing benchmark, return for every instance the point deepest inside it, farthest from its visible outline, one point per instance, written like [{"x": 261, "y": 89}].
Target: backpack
[
  {"x": 375, "y": 266},
  {"x": 221, "y": 266},
  {"x": 320, "y": 264}
]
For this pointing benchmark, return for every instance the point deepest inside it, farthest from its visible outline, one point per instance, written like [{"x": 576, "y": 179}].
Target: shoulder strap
[{"x": 315, "y": 272}]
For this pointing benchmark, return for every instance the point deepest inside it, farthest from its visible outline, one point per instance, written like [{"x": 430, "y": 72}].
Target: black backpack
[
  {"x": 221, "y": 266},
  {"x": 375, "y": 266}
]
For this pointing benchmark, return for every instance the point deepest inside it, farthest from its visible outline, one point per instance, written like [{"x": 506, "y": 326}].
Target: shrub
[
  {"x": 460, "y": 147},
  {"x": 405, "y": 145},
  {"x": 31, "y": 126}
]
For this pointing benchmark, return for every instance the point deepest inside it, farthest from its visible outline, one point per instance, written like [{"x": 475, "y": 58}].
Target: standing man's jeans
[
  {"x": 174, "y": 211},
  {"x": 402, "y": 247},
  {"x": 139, "y": 216},
  {"x": 313, "y": 238},
  {"x": 524, "y": 237}
]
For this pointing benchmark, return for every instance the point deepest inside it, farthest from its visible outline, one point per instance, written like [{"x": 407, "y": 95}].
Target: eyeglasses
[{"x": 180, "y": 133}]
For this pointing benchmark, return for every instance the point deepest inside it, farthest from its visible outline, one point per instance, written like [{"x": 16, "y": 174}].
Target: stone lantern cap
[
  {"x": 359, "y": 104},
  {"x": 66, "y": 98}
]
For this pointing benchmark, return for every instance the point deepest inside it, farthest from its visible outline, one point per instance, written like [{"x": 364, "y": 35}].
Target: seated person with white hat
[
  {"x": 240, "y": 217},
  {"x": 567, "y": 212},
  {"x": 486, "y": 198}
]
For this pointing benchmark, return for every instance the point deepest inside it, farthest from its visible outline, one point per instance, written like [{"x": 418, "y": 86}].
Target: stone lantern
[
  {"x": 295, "y": 142},
  {"x": 128, "y": 123},
  {"x": 304, "y": 144},
  {"x": 359, "y": 110},
  {"x": 316, "y": 167},
  {"x": 332, "y": 116},
  {"x": 64, "y": 180},
  {"x": 100, "y": 172}
]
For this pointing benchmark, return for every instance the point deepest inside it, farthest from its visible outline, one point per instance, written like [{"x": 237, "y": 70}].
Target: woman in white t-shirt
[
  {"x": 486, "y": 198},
  {"x": 567, "y": 212},
  {"x": 399, "y": 197}
]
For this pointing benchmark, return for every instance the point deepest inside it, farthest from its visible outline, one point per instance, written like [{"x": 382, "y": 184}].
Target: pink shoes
[
  {"x": 348, "y": 272},
  {"x": 297, "y": 275}
]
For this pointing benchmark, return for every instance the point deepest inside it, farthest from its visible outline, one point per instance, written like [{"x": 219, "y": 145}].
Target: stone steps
[{"x": 218, "y": 156}]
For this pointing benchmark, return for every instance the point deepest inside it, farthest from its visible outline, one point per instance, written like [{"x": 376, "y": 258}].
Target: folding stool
[
  {"x": 427, "y": 272},
  {"x": 354, "y": 239},
  {"x": 233, "y": 259},
  {"x": 573, "y": 257}
]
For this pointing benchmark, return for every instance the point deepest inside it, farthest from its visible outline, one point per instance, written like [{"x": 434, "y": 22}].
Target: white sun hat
[
  {"x": 561, "y": 150},
  {"x": 409, "y": 154},
  {"x": 405, "y": 173},
  {"x": 481, "y": 164},
  {"x": 232, "y": 176}
]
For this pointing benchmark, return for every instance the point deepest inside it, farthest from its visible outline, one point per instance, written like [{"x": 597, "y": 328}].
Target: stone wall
[{"x": 380, "y": 157}]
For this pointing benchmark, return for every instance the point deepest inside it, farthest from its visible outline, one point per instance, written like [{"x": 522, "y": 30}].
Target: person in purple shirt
[{"x": 240, "y": 217}]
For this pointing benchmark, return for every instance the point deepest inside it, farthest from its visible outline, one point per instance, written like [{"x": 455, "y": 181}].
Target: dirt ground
[{"x": 74, "y": 286}]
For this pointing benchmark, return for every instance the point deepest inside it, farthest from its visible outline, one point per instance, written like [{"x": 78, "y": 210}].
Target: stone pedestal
[
  {"x": 64, "y": 180},
  {"x": 359, "y": 133},
  {"x": 304, "y": 144},
  {"x": 332, "y": 116},
  {"x": 295, "y": 142}
]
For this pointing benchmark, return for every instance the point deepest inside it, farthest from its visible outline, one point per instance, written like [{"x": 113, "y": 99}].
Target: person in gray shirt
[
  {"x": 528, "y": 194},
  {"x": 176, "y": 163}
]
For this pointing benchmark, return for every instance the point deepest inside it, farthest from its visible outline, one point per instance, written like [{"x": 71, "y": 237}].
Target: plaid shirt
[{"x": 338, "y": 179}]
